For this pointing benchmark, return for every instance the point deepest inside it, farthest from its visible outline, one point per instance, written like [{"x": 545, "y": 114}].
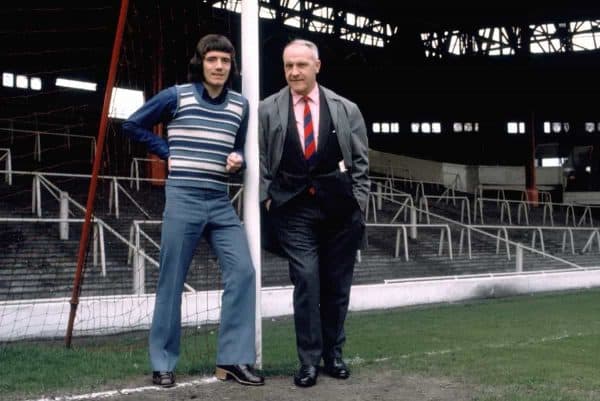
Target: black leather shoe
[
  {"x": 163, "y": 379},
  {"x": 306, "y": 376},
  {"x": 243, "y": 374},
  {"x": 337, "y": 368}
]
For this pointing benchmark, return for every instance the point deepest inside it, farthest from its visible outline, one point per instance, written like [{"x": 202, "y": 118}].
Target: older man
[{"x": 314, "y": 186}]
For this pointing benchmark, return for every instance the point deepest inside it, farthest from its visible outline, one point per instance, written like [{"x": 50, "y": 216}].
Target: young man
[
  {"x": 314, "y": 184},
  {"x": 206, "y": 125}
]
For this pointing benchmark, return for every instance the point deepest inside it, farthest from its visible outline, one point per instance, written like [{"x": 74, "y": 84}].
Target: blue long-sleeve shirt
[{"x": 201, "y": 132}]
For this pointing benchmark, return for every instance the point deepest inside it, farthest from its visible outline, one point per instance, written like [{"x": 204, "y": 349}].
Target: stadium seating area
[{"x": 36, "y": 263}]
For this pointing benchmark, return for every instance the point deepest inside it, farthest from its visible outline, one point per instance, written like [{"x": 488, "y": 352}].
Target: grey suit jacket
[{"x": 347, "y": 121}]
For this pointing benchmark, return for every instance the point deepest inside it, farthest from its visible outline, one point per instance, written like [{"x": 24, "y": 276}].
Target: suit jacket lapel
[
  {"x": 333, "y": 111},
  {"x": 277, "y": 133},
  {"x": 283, "y": 107},
  {"x": 340, "y": 123},
  {"x": 324, "y": 121}
]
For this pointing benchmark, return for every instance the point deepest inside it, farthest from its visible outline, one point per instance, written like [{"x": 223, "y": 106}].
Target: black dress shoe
[
  {"x": 306, "y": 376},
  {"x": 163, "y": 379},
  {"x": 243, "y": 374},
  {"x": 337, "y": 368}
]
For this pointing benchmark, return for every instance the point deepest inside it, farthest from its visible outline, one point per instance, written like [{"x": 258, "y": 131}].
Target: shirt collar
[
  {"x": 313, "y": 95},
  {"x": 214, "y": 100}
]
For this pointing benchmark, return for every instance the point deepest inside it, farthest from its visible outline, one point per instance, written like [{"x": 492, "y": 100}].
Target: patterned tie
[{"x": 309, "y": 137}]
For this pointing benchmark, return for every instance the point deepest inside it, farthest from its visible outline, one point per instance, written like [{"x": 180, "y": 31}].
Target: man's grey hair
[{"x": 307, "y": 43}]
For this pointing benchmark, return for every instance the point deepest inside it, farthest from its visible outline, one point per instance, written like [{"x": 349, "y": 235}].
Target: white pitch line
[
  {"x": 493, "y": 346},
  {"x": 125, "y": 391},
  {"x": 353, "y": 361}
]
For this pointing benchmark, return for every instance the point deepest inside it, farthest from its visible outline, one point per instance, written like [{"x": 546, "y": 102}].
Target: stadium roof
[{"x": 73, "y": 39}]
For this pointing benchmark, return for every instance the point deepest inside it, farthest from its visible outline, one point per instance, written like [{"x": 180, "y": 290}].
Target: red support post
[
  {"x": 85, "y": 231},
  {"x": 530, "y": 173}
]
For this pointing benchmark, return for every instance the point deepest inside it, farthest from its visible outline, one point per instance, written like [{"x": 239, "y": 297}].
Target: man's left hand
[{"x": 234, "y": 162}]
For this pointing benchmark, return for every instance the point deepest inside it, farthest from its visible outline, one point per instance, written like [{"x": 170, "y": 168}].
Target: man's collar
[
  {"x": 313, "y": 95},
  {"x": 214, "y": 100}
]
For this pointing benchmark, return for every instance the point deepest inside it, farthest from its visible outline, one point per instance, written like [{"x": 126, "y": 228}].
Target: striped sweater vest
[{"x": 201, "y": 135}]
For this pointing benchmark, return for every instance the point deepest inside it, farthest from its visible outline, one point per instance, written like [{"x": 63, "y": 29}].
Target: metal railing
[
  {"x": 40, "y": 181},
  {"x": 548, "y": 211},
  {"x": 508, "y": 242},
  {"x": 138, "y": 257},
  {"x": 537, "y": 231},
  {"x": 391, "y": 171},
  {"x": 134, "y": 170},
  {"x": 5, "y": 155},
  {"x": 390, "y": 181},
  {"x": 545, "y": 196},
  {"x": 115, "y": 190},
  {"x": 445, "y": 236},
  {"x": 466, "y": 231},
  {"x": 238, "y": 197},
  {"x": 401, "y": 229},
  {"x": 375, "y": 202},
  {"x": 502, "y": 236},
  {"x": 113, "y": 198},
  {"x": 98, "y": 247},
  {"x": 465, "y": 206},
  {"x": 37, "y": 145}
]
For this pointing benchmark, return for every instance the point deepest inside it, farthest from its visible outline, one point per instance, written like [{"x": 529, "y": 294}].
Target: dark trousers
[{"x": 321, "y": 250}]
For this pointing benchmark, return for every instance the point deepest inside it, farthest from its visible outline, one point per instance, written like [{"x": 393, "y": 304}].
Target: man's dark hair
[{"x": 211, "y": 42}]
